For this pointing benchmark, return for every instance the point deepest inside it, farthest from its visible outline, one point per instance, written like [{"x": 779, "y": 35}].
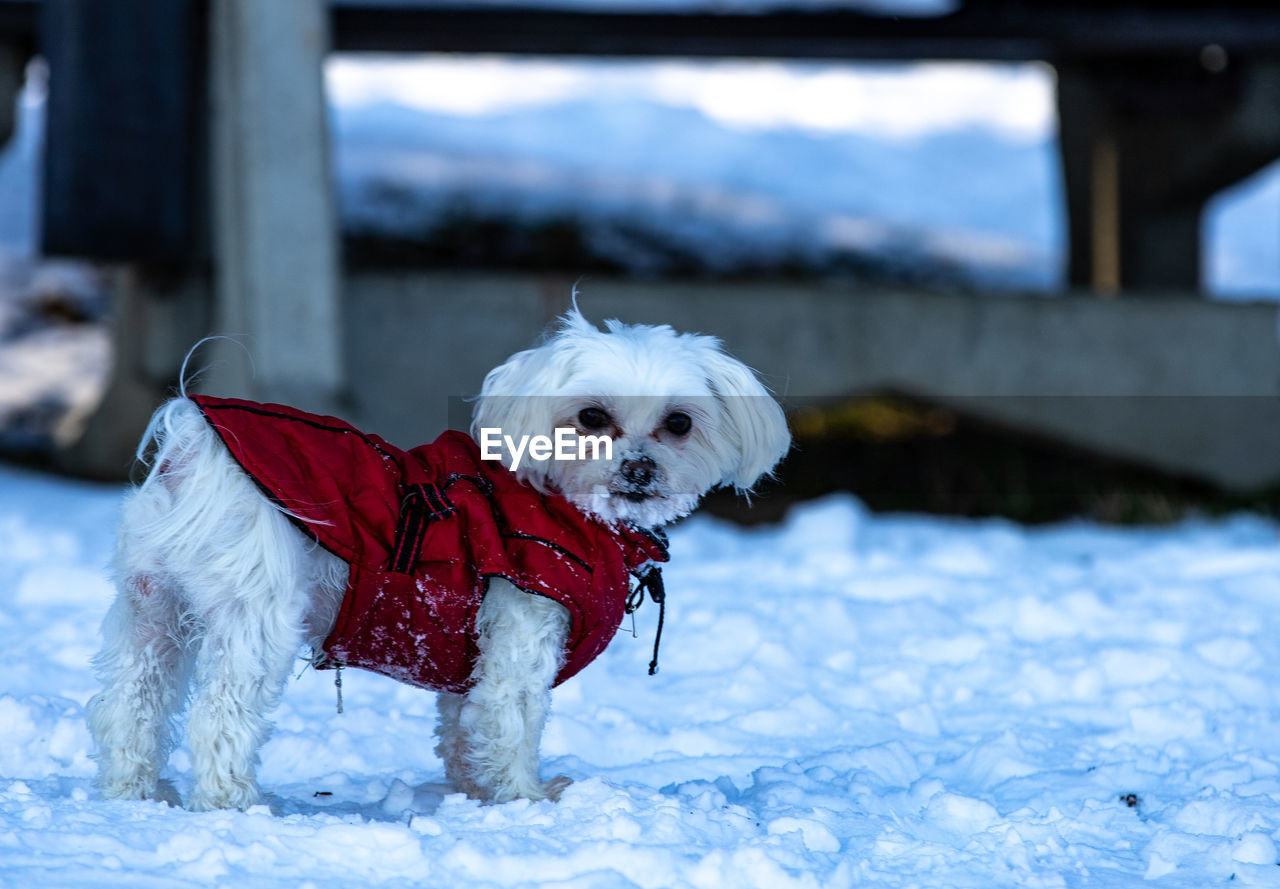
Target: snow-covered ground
[{"x": 844, "y": 700}]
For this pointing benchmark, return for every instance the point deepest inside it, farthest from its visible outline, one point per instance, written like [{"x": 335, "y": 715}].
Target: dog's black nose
[{"x": 639, "y": 471}]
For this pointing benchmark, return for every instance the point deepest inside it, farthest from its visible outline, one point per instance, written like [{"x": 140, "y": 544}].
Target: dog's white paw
[
  {"x": 555, "y": 787},
  {"x": 136, "y": 788},
  {"x": 230, "y": 795},
  {"x": 535, "y": 791},
  {"x": 161, "y": 791}
]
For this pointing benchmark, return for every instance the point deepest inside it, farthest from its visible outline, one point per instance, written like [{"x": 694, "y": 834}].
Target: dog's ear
[
  {"x": 513, "y": 401},
  {"x": 753, "y": 421},
  {"x": 505, "y": 401}
]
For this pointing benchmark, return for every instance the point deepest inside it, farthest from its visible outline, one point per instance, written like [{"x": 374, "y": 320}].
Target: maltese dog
[{"x": 488, "y": 568}]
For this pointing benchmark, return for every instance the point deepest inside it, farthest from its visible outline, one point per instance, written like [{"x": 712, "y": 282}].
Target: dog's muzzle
[{"x": 638, "y": 473}]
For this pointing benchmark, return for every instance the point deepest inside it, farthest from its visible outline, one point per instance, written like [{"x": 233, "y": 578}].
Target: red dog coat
[{"x": 423, "y": 531}]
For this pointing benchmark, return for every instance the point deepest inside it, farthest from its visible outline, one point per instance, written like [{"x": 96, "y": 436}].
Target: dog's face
[{"x": 680, "y": 417}]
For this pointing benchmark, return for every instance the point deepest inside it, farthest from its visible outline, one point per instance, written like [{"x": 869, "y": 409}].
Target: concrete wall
[
  {"x": 1188, "y": 385},
  {"x": 1184, "y": 384}
]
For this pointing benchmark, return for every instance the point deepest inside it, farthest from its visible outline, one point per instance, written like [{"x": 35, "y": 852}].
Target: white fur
[{"x": 216, "y": 583}]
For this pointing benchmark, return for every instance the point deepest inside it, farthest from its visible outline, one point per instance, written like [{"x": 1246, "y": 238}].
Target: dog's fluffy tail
[
  {"x": 176, "y": 412},
  {"x": 185, "y": 379},
  {"x": 173, "y": 425}
]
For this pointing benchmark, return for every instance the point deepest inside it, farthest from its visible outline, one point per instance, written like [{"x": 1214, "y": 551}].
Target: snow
[
  {"x": 895, "y": 100},
  {"x": 923, "y": 166},
  {"x": 845, "y": 699},
  {"x": 1241, "y": 229}
]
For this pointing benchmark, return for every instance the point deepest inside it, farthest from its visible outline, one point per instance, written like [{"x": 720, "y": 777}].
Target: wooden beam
[{"x": 1104, "y": 191}]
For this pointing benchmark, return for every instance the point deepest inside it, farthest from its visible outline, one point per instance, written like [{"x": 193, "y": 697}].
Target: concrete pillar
[
  {"x": 155, "y": 318},
  {"x": 274, "y": 219},
  {"x": 1145, "y": 144}
]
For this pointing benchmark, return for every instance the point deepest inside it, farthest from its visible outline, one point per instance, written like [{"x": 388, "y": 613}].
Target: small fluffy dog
[{"x": 230, "y": 562}]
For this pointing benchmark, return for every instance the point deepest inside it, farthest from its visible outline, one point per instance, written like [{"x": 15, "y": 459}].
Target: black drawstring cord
[{"x": 650, "y": 582}]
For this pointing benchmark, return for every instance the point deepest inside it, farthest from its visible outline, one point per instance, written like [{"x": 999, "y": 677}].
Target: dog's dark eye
[
  {"x": 593, "y": 418},
  {"x": 678, "y": 424}
]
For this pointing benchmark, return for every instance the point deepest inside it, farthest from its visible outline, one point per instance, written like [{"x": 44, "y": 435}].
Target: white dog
[{"x": 220, "y": 581}]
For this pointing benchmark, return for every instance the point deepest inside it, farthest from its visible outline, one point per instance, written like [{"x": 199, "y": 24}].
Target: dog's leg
[
  {"x": 521, "y": 641},
  {"x": 261, "y": 588},
  {"x": 144, "y": 670},
  {"x": 249, "y": 647},
  {"x": 240, "y": 675},
  {"x": 452, "y": 747},
  {"x": 452, "y": 744}
]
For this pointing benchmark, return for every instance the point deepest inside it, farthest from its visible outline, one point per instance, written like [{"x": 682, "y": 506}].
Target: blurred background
[{"x": 995, "y": 257}]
